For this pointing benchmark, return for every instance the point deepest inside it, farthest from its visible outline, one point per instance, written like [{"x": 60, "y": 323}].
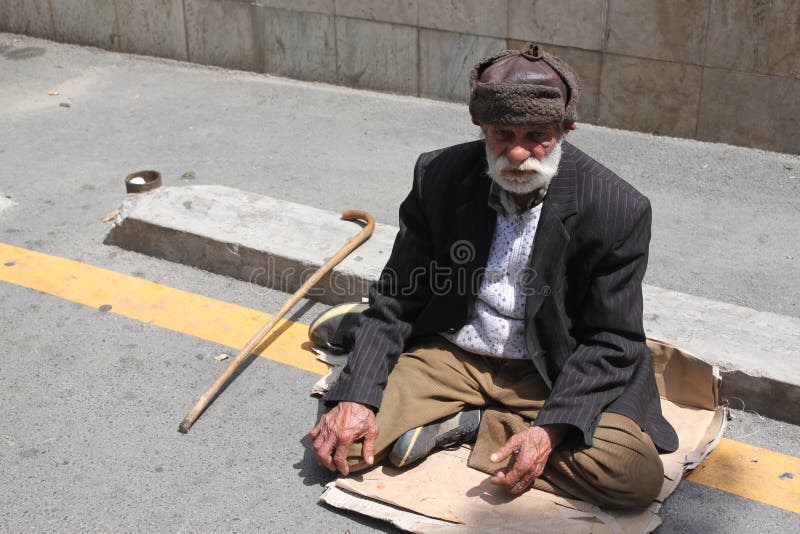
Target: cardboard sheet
[
  {"x": 337, "y": 363},
  {"x": 442, "y": 494}
]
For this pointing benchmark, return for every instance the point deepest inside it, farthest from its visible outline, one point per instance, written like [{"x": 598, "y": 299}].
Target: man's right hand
[{"x": 338, "y": 429}]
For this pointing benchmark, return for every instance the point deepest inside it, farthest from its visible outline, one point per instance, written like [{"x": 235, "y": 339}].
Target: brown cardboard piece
[{"x": 442, "y": 494}]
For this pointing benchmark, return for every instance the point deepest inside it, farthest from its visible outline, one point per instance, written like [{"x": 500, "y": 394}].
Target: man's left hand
[{"x": 532, "y": 448}]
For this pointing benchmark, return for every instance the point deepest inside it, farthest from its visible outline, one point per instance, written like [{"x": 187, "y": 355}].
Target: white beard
[{"x": 540, "y": 172}]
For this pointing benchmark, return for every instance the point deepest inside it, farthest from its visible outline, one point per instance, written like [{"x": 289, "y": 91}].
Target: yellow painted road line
[
  {"x": 757, "y": 474},
  {"x": 774, "y": 479},
  {"x": 181, "y": 311}
]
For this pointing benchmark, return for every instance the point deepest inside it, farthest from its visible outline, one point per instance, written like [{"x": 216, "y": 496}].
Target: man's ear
[
  {"x": 569, "y": 126},
  {"x": 476, "y": 123}
]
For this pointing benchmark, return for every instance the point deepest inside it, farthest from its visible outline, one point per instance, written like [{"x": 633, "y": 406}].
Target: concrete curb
[
  {"x": 279, "y": 244},
  {"x": 755, "y": 351},
  {"x": 262, "y": 240}
]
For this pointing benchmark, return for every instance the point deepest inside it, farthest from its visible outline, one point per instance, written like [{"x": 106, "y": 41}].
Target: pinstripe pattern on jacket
[{"x": 583, "y": 313}]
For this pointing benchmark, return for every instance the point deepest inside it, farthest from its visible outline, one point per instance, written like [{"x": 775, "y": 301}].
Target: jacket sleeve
[
  {"x": 609, "y": 332},
  {"x": 396, "y": 299}
]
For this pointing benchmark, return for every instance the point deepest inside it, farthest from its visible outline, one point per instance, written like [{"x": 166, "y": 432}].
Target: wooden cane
[{"x": 226, "y": 373}]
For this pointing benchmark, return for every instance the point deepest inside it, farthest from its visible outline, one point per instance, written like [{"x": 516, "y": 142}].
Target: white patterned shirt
[{"x": 496, "y": 323}]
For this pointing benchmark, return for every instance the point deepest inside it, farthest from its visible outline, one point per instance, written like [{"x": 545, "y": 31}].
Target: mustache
[
  {"x": 502, "y": 164},
  {"x": 537, "y": 173}
]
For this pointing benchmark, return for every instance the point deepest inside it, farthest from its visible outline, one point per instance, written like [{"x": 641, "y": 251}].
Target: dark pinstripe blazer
[{"x": 583, "y": 313}]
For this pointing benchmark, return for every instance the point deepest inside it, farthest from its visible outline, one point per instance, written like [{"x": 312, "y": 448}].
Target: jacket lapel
[
  {"x": 475, "y": 223},
  {"x": 552, "y": 237}
]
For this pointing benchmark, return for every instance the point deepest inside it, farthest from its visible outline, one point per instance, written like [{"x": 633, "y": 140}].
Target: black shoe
[{"x": 418, "y": 442}]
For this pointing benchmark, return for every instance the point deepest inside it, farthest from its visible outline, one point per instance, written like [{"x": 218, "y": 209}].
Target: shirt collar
[{"x": 503, "y": 202}]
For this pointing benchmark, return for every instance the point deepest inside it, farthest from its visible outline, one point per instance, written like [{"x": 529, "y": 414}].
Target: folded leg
[
  {"x": 434, "y": 379},
  {"x": 621, "y": 469}
]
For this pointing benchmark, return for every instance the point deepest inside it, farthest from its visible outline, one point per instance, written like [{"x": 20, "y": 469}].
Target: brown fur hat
[{"x": 520, "y": 87}]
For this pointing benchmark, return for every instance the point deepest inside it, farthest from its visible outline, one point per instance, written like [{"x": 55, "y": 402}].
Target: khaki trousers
[{"x": 436, "y": 379}]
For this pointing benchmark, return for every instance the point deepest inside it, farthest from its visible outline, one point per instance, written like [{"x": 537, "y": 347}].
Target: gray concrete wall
[{"x": 716, "y": 70}]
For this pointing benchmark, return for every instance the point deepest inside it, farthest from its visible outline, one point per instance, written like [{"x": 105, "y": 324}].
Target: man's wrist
[
  {"x": 556, "y": 433},
  {"x": 357, "y": 405}
]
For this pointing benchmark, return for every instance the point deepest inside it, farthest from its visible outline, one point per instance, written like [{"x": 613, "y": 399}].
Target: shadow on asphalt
[{"x": 314, "y": 474}]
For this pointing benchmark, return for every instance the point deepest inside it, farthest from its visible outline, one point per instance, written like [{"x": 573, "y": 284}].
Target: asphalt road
[{"x": 90, "y": 401}]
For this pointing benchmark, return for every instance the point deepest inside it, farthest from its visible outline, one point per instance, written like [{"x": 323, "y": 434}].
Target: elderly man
[{"x": 511, "y": 308}]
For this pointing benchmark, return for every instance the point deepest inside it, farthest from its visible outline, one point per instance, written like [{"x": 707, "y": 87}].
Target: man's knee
[
  {"x": 622, "y": 469},
  {"x": 632, "y": 473},
  {"x": 636, "y": 482}
]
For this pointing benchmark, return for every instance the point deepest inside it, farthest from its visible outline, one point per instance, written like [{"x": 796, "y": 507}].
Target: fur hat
[{"x": 520, "y": 87}]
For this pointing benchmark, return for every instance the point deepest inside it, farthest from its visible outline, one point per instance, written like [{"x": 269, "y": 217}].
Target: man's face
[{"x": 522, "y": 159}]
